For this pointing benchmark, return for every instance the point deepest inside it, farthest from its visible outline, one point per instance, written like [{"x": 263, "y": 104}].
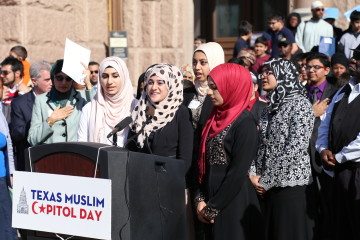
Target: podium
[{"x": 148, "y": 200}]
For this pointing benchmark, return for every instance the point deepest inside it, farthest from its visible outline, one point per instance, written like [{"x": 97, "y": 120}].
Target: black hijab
[{"x": 288, "y": 84}]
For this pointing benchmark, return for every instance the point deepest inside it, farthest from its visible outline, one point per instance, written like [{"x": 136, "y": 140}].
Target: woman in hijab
[
  {"x": 226, "y": 200},
  {"x": 113, "y": 102},
  {"x": 56, "y": 114},
  {"x": 206, "y": 57},
  {"x": 281, "y": 174},
  {"x": 161, "y": 123}
]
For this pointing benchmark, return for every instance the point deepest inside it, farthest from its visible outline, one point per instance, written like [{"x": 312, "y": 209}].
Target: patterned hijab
[
  {"x": 110, "y": 109},
  {"x": 235, "y": 87},
  {"x": 288, "y": 84},
  {"x": 215, "y": 56},
  {"x": 164, "y": 110}
]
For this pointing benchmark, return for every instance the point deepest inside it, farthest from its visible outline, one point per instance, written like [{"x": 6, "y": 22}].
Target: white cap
[{"x": 316, "y": 4}]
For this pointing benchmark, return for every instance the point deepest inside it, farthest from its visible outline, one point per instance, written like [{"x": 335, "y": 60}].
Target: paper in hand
[{"x": 75, "y": 57}]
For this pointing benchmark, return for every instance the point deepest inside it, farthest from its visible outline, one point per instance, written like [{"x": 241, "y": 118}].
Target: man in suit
[
  {"x": 338, "y": 143},
  {"x": 21, "y": 110},
  {"x": 320, "y": 91}
]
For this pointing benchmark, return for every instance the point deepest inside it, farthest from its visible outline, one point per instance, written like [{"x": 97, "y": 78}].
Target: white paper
[
  {"x": 328, "y": 40},
  {"x": 194, "y": 104},
  {"x": 75, "y": 57}
]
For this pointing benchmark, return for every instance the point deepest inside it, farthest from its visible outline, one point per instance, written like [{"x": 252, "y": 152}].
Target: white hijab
[
  {"x": 215, "y": 56},
  {"x": 107, "y": 109}
]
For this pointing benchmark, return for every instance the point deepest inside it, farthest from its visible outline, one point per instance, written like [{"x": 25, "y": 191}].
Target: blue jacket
[{"x": 8, "y": 157}]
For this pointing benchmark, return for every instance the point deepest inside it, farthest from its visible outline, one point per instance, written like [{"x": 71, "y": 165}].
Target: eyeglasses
[
  {"x": 265, "y": 73},
  {"x": 315, "y": 67},
  {"x": 61, "y": 78},
  {"x": 4, "y": 72},
  {"x": 319, "y": 9},
  {"x": 96, "y": 72}
]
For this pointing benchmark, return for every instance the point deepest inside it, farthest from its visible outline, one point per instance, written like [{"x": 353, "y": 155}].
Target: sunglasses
[
  {"x": 319, "y": 9},
  {"x": 61, "y": 78},
  {"x": 4, "y": 72},
  {"x": 96, "y": 71}
]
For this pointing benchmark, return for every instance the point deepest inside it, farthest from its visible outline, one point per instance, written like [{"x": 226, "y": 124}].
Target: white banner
[{"x": 62, "y": 204}]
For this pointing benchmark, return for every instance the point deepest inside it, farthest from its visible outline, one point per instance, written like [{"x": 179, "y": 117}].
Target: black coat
[
  {"x": 316, "y": 163},
  {"x": 227, "y": 186},
  {"x": 174, "y": 140},
  {"x": 21, "y": 112},
  {"x": 205, "y": 114}
]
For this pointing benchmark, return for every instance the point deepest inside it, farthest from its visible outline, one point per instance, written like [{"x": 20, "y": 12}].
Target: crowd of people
[{"x": 269, "y": 140}]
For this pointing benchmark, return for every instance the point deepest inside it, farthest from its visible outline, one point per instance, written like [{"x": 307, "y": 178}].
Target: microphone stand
[{"x": 114, "y": 140}]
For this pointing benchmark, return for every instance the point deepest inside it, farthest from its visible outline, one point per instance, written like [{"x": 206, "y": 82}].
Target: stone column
[
  {"x": 158, "y": 32},
  {"x": 41, "y": 26}
]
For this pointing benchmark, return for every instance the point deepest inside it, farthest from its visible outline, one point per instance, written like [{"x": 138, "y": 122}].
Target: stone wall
[
  {"x": 42, "y": 26},
  {"x": 158, "y": 31}
]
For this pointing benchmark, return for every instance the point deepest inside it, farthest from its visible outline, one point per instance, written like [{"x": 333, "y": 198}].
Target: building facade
[{"x": 157, "y": 30}]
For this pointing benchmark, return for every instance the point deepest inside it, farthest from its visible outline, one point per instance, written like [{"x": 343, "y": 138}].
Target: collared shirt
[
  {"x": 319, "y": 92},
  {"x": 351, "y": 152}
]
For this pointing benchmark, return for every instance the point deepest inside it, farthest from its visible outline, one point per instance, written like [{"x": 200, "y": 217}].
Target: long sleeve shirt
[
  {"x": 283, "y": 159},
  {"x": 309, "y": 32},
  {"x": 351, "y": 152}
]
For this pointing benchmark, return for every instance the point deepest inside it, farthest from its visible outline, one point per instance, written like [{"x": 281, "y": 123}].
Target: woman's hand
[
  {"x": 255, "y": 182},
  {"x": 59, "y": 114},
  {"x": 200, "y": 213}
]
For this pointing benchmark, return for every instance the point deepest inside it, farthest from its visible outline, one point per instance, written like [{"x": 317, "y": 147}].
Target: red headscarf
[{"x": 235, "y": 87}]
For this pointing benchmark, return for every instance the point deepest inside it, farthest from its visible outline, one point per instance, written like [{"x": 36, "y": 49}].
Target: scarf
[
  {"x": 235, "y": 86},
  {"x": 110, "y": 109},
  {"x": 165, "y": 110},
  {"x": 288, "y": 84},
  {"x": 215, "y": 56}
]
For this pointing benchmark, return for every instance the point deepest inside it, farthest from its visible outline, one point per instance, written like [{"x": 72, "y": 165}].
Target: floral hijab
[{"x": 288, "y": 84}]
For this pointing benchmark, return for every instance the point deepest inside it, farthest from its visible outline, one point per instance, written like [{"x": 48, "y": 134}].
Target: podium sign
[{"x": 62, "y": 204}]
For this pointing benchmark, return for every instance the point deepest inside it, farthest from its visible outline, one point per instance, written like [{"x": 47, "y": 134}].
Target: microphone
[
  {"x": 150, "y": 112},
  {"x": 120, "y": 126}
]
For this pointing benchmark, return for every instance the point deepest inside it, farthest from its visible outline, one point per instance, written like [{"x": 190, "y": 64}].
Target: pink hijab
[{"x": 107, "y": 109}]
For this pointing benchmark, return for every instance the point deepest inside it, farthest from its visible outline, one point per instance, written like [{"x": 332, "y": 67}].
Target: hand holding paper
[{"x": 75, "y": 57}]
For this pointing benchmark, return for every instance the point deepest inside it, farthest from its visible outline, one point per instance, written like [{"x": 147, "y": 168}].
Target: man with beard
[
  {"x": 339, "y": 146},
  {"x": 309, "y": 32}
]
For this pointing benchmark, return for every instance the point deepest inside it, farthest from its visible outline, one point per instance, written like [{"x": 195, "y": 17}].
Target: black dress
[
  {"x": 205, "y": 108},
  {"x": 227, "y": 189}
]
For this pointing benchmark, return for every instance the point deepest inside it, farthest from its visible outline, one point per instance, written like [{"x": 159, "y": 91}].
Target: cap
[
  {"x": 339, "y": 58},
  {"x": 331, "y": 13},
  {"x": 283, "y": 42},
  {"x": 356, "y": 53},
  {"x": 316, "y": 4}
]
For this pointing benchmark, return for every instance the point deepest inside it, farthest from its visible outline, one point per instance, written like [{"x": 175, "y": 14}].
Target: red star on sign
[{"x": 42, "y": 208}]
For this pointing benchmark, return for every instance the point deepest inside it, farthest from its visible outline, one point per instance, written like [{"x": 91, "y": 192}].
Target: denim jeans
[{"x": 6, "y": 231}]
